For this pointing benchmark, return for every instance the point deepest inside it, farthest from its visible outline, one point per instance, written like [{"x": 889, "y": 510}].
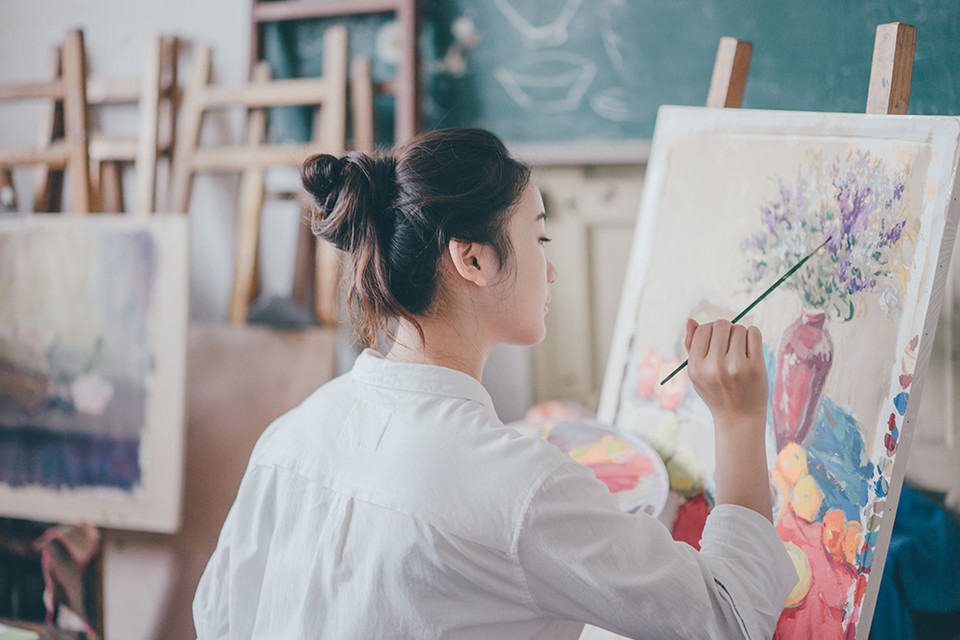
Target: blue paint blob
[
  {"x": 881, "y": 487},
  {"x": 835, "y": 456},
  {"x": 900, "y": 402}
]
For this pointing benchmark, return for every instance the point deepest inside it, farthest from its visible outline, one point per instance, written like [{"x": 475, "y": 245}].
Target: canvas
[
  {"x": 93, "y": 317},
  {"x": 734, "y": 198}
]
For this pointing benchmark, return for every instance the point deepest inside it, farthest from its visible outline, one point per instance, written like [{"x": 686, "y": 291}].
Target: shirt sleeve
[{"x": 582, "y": 558}]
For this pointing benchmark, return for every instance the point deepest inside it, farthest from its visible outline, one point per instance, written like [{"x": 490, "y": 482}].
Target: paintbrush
[{"x": 759, "y": 298}]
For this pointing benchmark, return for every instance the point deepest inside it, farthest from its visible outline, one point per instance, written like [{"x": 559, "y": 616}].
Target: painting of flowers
[
  {"x": 90, "y": 401},
  {"x": 733, "y": 199}
]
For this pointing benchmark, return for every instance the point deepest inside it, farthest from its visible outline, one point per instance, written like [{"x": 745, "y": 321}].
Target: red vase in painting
[{"x": 804, "y": 360}]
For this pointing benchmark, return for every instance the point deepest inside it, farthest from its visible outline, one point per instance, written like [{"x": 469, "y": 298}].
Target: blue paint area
[
  {"x": 900, "y": 402},
  {"x": 881, "y": 487},
  {"x": 836, "y": 460},
  {"x": 55, "y": 459}
]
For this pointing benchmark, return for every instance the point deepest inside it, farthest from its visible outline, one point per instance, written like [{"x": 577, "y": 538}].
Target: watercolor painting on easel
[
  {"x": 92, "y": 353},
  {"x": 732, "y": 199}
]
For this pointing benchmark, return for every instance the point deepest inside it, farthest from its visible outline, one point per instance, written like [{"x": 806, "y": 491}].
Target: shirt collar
[{"x": 372, "y": 368}]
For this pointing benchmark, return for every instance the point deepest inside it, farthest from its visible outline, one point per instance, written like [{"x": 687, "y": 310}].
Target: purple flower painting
[
  {"x": 857, "y": 201},
  {"x": 732, "y": 200}
]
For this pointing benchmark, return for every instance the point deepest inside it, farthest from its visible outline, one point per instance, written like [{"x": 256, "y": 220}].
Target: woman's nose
[{"x": 551, "y": 272}]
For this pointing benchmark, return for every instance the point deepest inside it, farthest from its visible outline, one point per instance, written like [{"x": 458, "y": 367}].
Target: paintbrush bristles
[{"x": 758, "y": 299}]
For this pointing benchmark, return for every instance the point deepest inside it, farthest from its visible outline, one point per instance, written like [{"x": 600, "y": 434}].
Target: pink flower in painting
[
  {"x": 91, "y": 394},
  {"x": 648, "y": 372}
]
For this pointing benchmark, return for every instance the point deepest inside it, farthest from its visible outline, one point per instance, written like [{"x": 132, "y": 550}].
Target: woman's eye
[{"x": 544, "y": 240}]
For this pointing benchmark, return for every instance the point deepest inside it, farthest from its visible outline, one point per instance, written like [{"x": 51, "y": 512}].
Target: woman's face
[{"x": 524, "y": 291}]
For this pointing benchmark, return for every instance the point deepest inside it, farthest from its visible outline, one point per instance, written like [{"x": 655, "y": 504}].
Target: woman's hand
[
  {"x": 728, "y": 371},
  {"x": 727, "y": 368}
]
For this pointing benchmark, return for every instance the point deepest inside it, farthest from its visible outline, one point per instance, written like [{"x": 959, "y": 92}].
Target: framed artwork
[
  {"x": 733, "y": 198},
  {"x": 93, "y": 319}
]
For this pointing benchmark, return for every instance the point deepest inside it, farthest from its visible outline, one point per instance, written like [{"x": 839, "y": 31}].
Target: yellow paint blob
[
  {"x": 802, "y": 565},
  {"x": 806, "y": 498},
  {"x": 792, "y": 462},
  {"x": 685, "y": 473}
]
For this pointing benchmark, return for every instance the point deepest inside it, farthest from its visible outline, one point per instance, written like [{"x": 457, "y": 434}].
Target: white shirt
[{"x": 393, "y": 503}]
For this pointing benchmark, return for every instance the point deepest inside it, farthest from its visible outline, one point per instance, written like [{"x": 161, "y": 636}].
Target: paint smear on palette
[{"x": 631, "y": 468}]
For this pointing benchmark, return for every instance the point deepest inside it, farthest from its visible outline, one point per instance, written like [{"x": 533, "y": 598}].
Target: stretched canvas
[
  {"x": 733, "y": 198},
  {"x": 93, "y": 317}
]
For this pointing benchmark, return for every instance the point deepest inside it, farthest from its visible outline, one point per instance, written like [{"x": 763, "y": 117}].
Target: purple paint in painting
[{"x": 857, "y": 200}]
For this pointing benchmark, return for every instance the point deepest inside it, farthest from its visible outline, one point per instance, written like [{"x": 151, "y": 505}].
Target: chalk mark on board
[{"x": 551, "y": 81}]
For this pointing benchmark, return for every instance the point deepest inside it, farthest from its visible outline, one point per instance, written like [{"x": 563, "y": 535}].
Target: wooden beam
[
  {"x": 333, "y": 136},
  {"x": 238, "y": 158},
  {"x": 112, "y": 90},
  {"x": 250, "y": 205},
  {"x": 111, "y": 149},
  {"x": 110, "y": 186},
  {"x": 75, "y": 118},
  {"x": 729, "y": 73},
  {"x": 48, "y": 182},
  {"x": 407, "y": 102},
  {"x": 56, "y": 155},
  {"x": 289, "y": 10},
  {"x": 52, "y": 90},
  {"x": 361, "y": 101},
  {"x": 148, "y": 133},
  {"x": 892, "y": 68},
  {"x": 289, "y": 92},
  {"x": 188, "y": 135}
]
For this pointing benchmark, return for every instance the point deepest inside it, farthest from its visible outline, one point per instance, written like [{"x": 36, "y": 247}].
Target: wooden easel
[
  {"x": 404, "y": 87},
  {"x": 889, "y": 93},
  {"x": 71, "y": 150},
  {"x": 155, "y": 96},
  {"x": 251, "y": 159}
]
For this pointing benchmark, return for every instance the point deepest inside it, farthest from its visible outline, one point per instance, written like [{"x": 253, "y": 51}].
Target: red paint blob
[{"x": 691, "y": 518}]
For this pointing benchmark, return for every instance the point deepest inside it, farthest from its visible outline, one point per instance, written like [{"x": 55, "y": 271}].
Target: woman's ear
[{"x": 473, "y": 261}]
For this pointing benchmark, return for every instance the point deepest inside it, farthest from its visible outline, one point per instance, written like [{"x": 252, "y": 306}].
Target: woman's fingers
[
  {"x": 700, "y": 343},
  {"x": 720, "y": 340},
  {"x": 738, "y": 341},
  {"x": 754, "y": 343},
  {"x": 691, "y": 328}
]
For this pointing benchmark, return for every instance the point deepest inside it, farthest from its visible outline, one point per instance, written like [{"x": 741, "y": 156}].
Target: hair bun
[
  {"x": 321, "y": 179},
  {"x": 347, "y": 195}
]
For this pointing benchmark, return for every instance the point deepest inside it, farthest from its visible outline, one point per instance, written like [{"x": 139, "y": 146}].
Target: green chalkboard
[{"x": 595, "y": 71}]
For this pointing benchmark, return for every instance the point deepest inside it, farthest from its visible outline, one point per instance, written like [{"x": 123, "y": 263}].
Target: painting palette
[{"x": 631, "y": 468}]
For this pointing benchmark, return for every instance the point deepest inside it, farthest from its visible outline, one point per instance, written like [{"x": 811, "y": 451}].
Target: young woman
[{"x": 393, "y": 503}]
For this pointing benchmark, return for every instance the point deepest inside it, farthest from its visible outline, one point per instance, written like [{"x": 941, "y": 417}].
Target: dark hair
[{"x": 396, "y": 213}]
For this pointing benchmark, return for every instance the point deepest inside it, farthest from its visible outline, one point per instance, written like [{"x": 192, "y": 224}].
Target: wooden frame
[
  {"x": 155, "y": 94},
  {"x": 328, "y": 92},
  {"x": 71, "y": 151},
  {"x": 873, "y": 419},
  {"x": 404, "y": 87}
]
